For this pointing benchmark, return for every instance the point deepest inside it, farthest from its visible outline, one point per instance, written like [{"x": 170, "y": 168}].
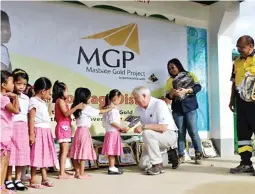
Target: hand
[
  {"x": 173, "y": 93},
  {"x": 182, "y": 92},
  {"x": 32, "y": 139},
  {"x": 138, "y": 129},
  {"x": 167, "y": 101},
  {"x": 81, "y": 106},
  {"x": 124, "y": 130},
  {"x": 11, "y": 95},
  {"x": 231, "y": 106}
]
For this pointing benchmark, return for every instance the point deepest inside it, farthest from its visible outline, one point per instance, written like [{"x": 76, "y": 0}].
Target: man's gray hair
[{"x": 140, "y": 90}]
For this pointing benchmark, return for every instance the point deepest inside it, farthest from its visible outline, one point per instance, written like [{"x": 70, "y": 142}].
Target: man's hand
[
  {"x": 138, "y": 129},
  {"x": 182, "y": 92},
  {"x": 231, "y": 105}
]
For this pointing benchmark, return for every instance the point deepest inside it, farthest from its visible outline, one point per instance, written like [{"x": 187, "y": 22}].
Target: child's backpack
[{"x": 247, "y": 88}]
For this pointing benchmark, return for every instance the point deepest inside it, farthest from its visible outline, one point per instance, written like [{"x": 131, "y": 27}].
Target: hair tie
[{"x": 20, "y": 71}]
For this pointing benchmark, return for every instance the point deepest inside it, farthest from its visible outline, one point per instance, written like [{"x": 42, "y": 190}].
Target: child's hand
[
  {"x": 81, "y": 106},
  {"x": 124, "y": 130},
  {"x": 11, "y": 95},
  {"x": 32, "y": 139}
]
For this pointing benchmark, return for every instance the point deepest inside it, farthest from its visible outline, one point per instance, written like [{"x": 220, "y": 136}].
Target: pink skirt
[
  {"x": 20, "y": 149},
  {"x": 63, "y": 132},
  {"x": 112, "y": 144},
  {"x": 82, "y": 145},
  {"x": 43, "y": 153}
]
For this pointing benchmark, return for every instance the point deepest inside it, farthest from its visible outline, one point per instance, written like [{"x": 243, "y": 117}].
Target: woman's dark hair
[
  {"x": 58, "y": 91},
  {"x": 81, "y": 95},
  {"x": 110, "y": 96},
  {"x": 4, "y": 16},
  {"x": 19, "y": 73},
  {"x": 42, "y": 83},
  {"x": 4, "y": 76},
  {"x": 178, "y": 65}
]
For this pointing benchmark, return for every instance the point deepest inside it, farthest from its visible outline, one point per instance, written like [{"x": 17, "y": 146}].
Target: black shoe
[
  {"x": 9, "y": 185},
  {"x": 173, "y": 158},
  {"x": 120, "y": 171},
  {"x": 155, "y": 170},
  {"x": 242, "y": 169},
  {"x": 198, "y": 158},
  {"x": 20, "y": 186}
]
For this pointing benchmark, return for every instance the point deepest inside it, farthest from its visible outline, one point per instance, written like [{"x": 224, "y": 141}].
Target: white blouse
[
  {"x": 85, "y": 118},
  {"x": 110, "y": 117},
  {"x": 23, "y": 106},
  {"x": 42, "y": 117}
]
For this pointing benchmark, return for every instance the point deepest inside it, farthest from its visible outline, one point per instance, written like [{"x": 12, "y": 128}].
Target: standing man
[
  {"x": 5, "y": 37},
  {"x": 245, "y": 110},
  {"x": 158, "y": 128}
]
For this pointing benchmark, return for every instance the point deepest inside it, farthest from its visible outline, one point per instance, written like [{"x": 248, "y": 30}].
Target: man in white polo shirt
[{"x": 158, "y": 129}]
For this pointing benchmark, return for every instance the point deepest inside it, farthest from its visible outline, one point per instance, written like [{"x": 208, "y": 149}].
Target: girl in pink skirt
[
  {"x": 82, "y": 146},
  {"x": 63, "y": 129},
  {"x": 43, "y": 153},
  {"x": 7, "y": 110},
  {"x": 112, "y": 123},
  {"x": 20, "y": 150}
]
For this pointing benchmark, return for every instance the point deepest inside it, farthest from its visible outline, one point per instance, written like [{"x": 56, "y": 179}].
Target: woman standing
[{"x": 181, "y": 88}]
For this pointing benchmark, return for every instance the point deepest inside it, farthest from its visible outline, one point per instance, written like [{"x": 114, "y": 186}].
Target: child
[
  {"x": 63, "y": 129},
  {"x": 7, "y": 110},
  {"x": 112, "y": 123},
  {"x": 82, "y": 146},
  {"x": 43, "y": 153},
  {"x": 5, "y": 37},
  {"x": 20, "y": 150}
]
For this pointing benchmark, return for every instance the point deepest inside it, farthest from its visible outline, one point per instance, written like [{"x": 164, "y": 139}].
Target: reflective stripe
[
  {"x": 244, "y": 149},
  {"x": 245, "y": 142}
]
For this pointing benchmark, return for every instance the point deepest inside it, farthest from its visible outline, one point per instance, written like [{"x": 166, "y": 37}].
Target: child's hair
[
  {"x": 58, "y": 91},
  {"x": 19, "y": 73},
  {"x": 4, "y": 16},
  {"x": 4, "y": 76},
  {"x": 29, "y": 91},
  {"x": 110, "y": 95},
  {"x": 81, "y": 95},
  {"x": 42, "y": 83}
]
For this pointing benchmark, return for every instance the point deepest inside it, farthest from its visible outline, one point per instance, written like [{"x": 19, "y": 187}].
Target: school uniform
[
  {"x": 43, "y": 152},
  {"x": 20, "y": 150},
  {"x": 82, "y": 145}
]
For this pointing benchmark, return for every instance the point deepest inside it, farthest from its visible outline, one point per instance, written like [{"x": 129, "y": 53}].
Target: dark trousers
[{"x": 245, "y": 128}]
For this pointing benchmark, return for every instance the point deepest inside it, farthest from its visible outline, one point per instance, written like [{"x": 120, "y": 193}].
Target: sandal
[
  {"x": 85, "y": 176},
  {"x": 36, "y": 186},
  {"x": 66, "y": 176},
  {"x": 47, "y": 183},
  {"x": 9, "y": 185},
  {"x": 20, "y": 186}
]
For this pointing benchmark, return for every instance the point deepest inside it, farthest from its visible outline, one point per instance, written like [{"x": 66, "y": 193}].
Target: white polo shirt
[
  {"x": 86, "y": 114},
  {"x": 42, "y": 117},
  {"x": 157, "y": 112},
  {"x": 110, "y": 117},
  {"x": 23, "y": 106}
]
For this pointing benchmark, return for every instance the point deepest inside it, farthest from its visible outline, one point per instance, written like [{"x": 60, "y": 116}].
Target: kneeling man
[{"x": 158, "y": 130}]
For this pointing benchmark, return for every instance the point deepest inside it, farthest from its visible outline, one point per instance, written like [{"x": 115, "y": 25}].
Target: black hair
[
  {"x": 178, "y": 65},
  {"x": 110, "y": 96},
  {"x": 249, "y": 40},
  {"x": 42, "y": 83},
  {"x": 81, "y": 95},
  {"x": 29, "y": 91},
  {"x": 5, "y": 76},
  {"x": 58, "y": 91},
  {"x": 4, "y": 16},
  {"x": 19, "y": 73}
]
